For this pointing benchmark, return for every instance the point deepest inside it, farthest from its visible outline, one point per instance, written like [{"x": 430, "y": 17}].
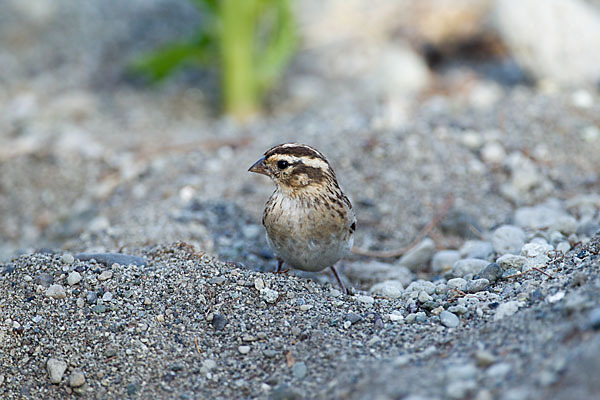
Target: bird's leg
[
  {"x": 344, "y": 289},
  {"x": 278, "y": 270}
]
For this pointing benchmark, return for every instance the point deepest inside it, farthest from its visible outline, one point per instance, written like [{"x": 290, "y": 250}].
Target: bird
[{"x": 309, "y": 221}]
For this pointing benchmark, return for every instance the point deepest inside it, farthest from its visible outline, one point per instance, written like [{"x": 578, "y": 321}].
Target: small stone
[
  {"x": 477, "y": 285},
  {"x": 424, "y": 297},
  {"x": 493, "y": 153},
  {"x": 219, "y": 322},
  {"x": 74, "y": 278},
  {"x": 56, "y": 292},
  {"x": 209, "y": 364},
  {"x": 563, "y": 247},
  {"x": 537, "y": 217},
  {"x": 443, "y": 260},
  {"x": 67, "y": 258},
  {"x": 457, "y": 284},
  {"x": 477, "y": 249},
  {"x": 259, "y": 284},
  {"x": 107, "y": 296},
  {"x": 368, "y": 300},
  {"x": 468, "y": 266},
  {"x": 335, "y": 293},
  {"x": 56, "y": 369},
  {"x": 132, "y": 389},
  {"x": 484, "y": 358},
  {"x": 269, "y": 295},
  {"x": 352, "y": 318},
  {"x": 347, "y": 324},
  {"x": 419, "y": 256},
  {"x": 27, "y": 278},
  {"x": 508, "y": 239},
  {"x": 396, "y": 316},
  {"x": 76, "y": 379},
  {"x": 506, "y": 309},
  {"x": 392, "y": 289},
  {"x": 44, "y": 279},
  {"x": 244, "y": 349},
  {"x": 299, "y": 370},
  {"x": 448, "y": 319},
  {"x": 511, "y": 261},
  {"x": 458, "y": 309},
  {"x": 105, "y": 275},
  {"x": 99, "y": 308},
  {"x": 80, "y": 302},
  {"x": 492, "y": 272},
  {"x": 594, "y": 318},
  {"x": 91, "y": 297},
  {"x": 306, "y": 307}
]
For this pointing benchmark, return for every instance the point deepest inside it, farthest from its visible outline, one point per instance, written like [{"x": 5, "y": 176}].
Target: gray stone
[
  {"x": 105, "y": 275},
  {"x": 477, "y": 285},
  {"x": 594, "y": 318},
  {"x": 219, "y": 322},
  {"x": 74, "y": 278},
  {"x": 56, "y": 369},
  {"x": 508, "y": 239},
  {"x": 565, "y": 224},
  {"x": 457, "y": 284},
  {"x": 448, "y": 319},
  {"x": 67, "y": 258},
  {"x": 418, "y": 257},
  {"x": 76, "y": 379},
  {"x": 569, "y": 29},
  {"x": 506, "y": 309},
  {"x": 443, "y": 260},
  {"x": 477, "y": 249},
  {"x": 44, "y": 279},
  {"x": 299, "y": 369},
  {"x": 538, "y": 217},
  {"x": 484, "y": 358},
  {"x": 391, "y": 288},
  {"x": 492, "y": 272},
  {"x": 468, "y": 266},
  {"x": 244, "y": 349},
  {"x": 109, "y": 259},
  {"x": 56, "y": 292},
  {"x": 376, "y": 271},
  {"x": 511, "y": 261}
]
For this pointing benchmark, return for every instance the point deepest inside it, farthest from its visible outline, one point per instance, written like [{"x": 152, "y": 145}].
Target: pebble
[
  {"x": 594, "y": 318},
  {"x": 74, "y": 278},
  {"x": 107, "y": 296},
  {"x": 477, "y": 285},
  {"x": 506, "y": 309},
  {"x": 244, "y": 349},
  {"x": 209, "y": 365},
  {"x": 101, "y": 308},
  {"x": 477, "y": 249},
  {"x": 80, "y": 302},
  {"x": 299, "y": 370},
  {"x": 56, "y": 369},
  {"x": 468, "y": 266},
  {"x": 108, "y": 259},
  {"x": 306, "y": 307},
  {"x": 424, "y": 297},
  {"x": 484, "y": 358},
  {"x": 443, "y": 260},
  {"x": 493, "y": 153},
  {"x": 335, "y": 293},
  {"x": 511, "y": 261},
  {"x": 259, "y": 284},
  {"x": 67, "y": 258},
  {"x": 458, "y": 309},
  {"x": 76, "y": 379},
  {"x": 508, "y": 239},
  {"x": 56, "y": 292},
  {"x": 352, "y": 317},
  {"x": 269, "y": 295},
  {"x": 392, "y": 289},
  {"x": 105, "y": 275},
  {"x": 420, "y": 286},
  {"x": 44, "y": 279},
  {"x": 396, "y": 316},
  {"x": 457, "y": 284},
  {"x": 368, "y": 300},
  {"x": 418, "y": 257},
  {"x": 537, "y": 217},
  {"x": 492, "y": 272},
  {"x": 448, "y": 319},
  {"x": 219, "y": 321}
]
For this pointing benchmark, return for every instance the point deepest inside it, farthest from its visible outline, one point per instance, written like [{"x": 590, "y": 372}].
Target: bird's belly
[{"x": 314, "y": 250}]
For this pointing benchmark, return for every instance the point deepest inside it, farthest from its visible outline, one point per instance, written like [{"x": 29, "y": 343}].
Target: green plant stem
[{"x": 240, "y": 94}]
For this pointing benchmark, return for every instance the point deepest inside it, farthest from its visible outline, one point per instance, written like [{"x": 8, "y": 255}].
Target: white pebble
[
  {"x": 244, "y": 349},
  {"x": 105, "y": 275},
  {"x": 56, "y": 369},
  {"x": 74, "y": 278},
  {"x": 56, "y": 292},
  {"x": 67, "y": 258}
]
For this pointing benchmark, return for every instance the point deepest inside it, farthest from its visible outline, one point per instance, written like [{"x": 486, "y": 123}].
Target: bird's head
[{"x": 295, "y": 167}]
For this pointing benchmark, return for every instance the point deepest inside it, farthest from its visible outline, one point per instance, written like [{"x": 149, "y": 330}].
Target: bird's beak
[{"x": 259, "y": 167}]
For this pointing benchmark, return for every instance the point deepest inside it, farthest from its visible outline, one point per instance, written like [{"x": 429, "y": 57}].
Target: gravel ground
[{"x": 499, "y": 301}]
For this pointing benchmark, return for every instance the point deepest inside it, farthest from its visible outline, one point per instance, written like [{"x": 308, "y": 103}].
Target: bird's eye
[{"x": 282, "y": 164}]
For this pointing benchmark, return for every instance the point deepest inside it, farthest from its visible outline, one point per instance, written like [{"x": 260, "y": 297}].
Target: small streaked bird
[{"x": 309, "y": 221}]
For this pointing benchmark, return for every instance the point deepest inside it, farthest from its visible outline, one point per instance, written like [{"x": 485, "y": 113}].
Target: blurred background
[{"x": 127, "y": 124}]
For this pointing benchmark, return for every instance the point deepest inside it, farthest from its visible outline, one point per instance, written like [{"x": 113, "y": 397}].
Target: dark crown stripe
[{"x": 297, "y": 151}]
